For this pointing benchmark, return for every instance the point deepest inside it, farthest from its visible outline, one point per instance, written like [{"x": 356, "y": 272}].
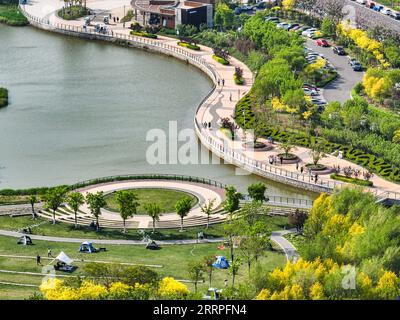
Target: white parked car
[
  {"x": 282, "y": 25},
  {"x": 386, "y": 11},
  {"x": 361, "y": 1},
  {"x": 308, "y": 31}
]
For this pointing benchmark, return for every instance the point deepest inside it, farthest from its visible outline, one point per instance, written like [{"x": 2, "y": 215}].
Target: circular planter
[
  {"x": 319, "y": 169},
  {"x": 258, "y": 146},
  {"x": 289, "y": 158}
]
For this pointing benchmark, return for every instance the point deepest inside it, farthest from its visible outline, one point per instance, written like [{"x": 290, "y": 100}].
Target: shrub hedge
[
  {"x": 144, "y": 34},
  {"x": 188, "y": 45},
  {"x": 12, "y": 16},
  {"x": 220, "y": 60},
  {"x": 359, "y": 182},
  {"x": 238, "y": 81},
  {"x": 375, "y": 163}
]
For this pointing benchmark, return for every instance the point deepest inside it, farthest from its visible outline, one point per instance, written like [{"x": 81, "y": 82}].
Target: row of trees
[{"x": 127, "y": 201}]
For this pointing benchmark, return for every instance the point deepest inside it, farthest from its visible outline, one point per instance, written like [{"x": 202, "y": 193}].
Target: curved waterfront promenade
[{"x": 218, "y": 104}]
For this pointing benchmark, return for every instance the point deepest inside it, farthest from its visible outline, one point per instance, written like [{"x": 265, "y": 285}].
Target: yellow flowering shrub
[
  {"x": 362, "y": 40},
  {"x": 288, "y": 4},
  {"x": 317, "y": 291},
  {"x": 171, "y": 287}
]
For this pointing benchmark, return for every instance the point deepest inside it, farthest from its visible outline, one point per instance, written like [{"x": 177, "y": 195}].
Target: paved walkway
[
  {"x": 219, "y": 105},
  {"x": 277, "y": 237},
  {"x": 289, "y": 249}
]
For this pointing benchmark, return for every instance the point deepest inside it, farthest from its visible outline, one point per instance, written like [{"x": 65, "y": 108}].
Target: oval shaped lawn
[{"x": 165, "y": 198}]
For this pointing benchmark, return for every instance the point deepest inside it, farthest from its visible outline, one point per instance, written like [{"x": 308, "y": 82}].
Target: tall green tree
[
  {"x": 75, "y": 200},
  {"x": 196, "y": 271},
  {"x": 257, "y": 191},
  {"x": 95, "y": 202},
  {"x": 207, "y": 209},
  {"x": 208, "y": 262},
  {"x": 53, "y": 198},
  {"x": 232, "y": 200},
  {"x": 224, "y": 17},
  {"x": 127, "y": 204},
  {"x": 182, "y": 208},
  {"x": 154, "y": 211}
]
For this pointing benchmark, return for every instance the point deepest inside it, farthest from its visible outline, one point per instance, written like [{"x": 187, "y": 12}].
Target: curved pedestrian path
[
  {"x": 277, "y": 237},
  {"x": 219, "y": 104},
  {"x": 196, "y": 217}
]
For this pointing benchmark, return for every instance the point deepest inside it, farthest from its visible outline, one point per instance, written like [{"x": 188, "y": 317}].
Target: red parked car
[{"x": 322, "y": 43}]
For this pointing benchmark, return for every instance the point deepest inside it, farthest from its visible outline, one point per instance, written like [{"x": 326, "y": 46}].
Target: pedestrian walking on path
[
  {"x": 38, "y": 262},
  {"x": 223, "y": 82},
  {"x": 49, "y": 253}
]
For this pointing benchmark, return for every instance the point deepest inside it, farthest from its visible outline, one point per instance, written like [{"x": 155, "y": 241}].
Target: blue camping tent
[
  {"x": 221, "y": 263},
  {"x": 87, "y": 247}
]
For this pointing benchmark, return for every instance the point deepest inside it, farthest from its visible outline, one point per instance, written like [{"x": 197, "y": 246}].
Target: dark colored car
[
  {"x": 339, "y": 50},
  {"x": 356, "y": 66}
]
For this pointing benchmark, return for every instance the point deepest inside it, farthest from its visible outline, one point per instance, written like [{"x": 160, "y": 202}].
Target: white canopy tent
[{"x": 64, "y": 258}]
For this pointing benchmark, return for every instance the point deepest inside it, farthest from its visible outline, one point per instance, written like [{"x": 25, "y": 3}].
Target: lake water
[{"x": 81, "y": 109}]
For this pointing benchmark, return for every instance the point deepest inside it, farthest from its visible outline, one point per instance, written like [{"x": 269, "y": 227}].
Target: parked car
[
  {"x": 282, "y": 25},
  {"x": 293, "y": 25},
  {"x": 307, "y": 31},
  {"x": 322, "y": 43},
  {"x": 386, "y": 11},
  {"x": 338, "y": 50},
  {"x": 310, "y": 86},
  {"x": 310, "y": 92},
  {"x": 361, "y": 1},
  {"x": 272, "y": 19},
  {"x": 378, "y": 8},
  {"x": 396, "y": 15}
]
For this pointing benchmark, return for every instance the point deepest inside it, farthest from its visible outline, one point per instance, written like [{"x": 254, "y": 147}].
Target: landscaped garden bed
[
  {"x": 245, "y": 116},
  {"x": 360, "y": 182},
  {"x": 144, "y": 34},
  {"x": 188, "y": 45},
  {"x": 73, "y": 12},
  {"x": 257, "y": 146}
]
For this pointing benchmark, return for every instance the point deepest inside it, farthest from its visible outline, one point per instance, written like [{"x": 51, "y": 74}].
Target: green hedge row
[
  {"x": 3, "y": 97},
  {"x": 220, "y": 60},
  {"x": 188, "y": 45},
  {"x": 238, "y": 81},
  {"x": 244, "y": 114},
  {"x": 144, "y": 34},
  {"x": 359, "y": 182}
]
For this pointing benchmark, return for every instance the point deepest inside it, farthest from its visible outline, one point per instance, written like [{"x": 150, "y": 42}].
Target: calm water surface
[{"x": 82, "y": 110}]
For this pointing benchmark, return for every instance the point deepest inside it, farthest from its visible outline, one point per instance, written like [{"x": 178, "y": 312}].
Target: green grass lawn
[
  {"x": 165, "y": 198},
  {"x": 12, "y": 16},
  {"x": 68, "y": 230},
  {"x": 173, "y": 259}
]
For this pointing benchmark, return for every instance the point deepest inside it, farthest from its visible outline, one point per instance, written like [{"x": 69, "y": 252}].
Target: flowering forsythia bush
[
  {"x": 54, "y": 289},
  {"x": 349, "y": 252},
  {"x": 361, "y": 39},
  {"x": 169, "y": 287},
  {"x": 319, "y": 280}
]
